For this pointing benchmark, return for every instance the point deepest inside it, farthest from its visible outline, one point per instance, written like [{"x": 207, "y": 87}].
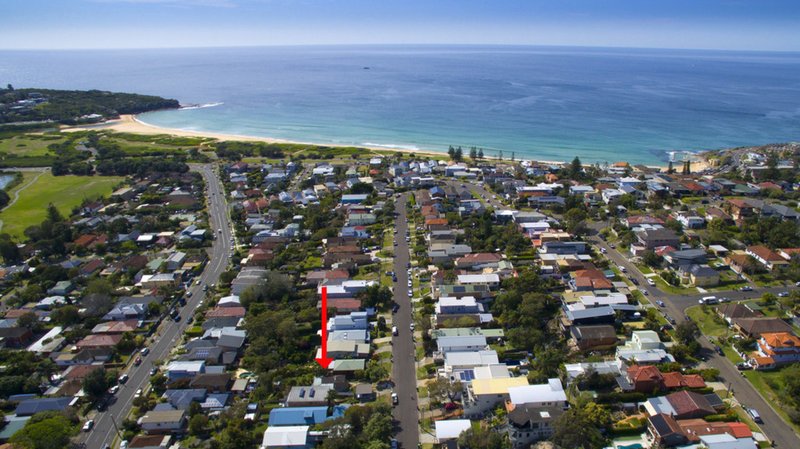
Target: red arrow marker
[{"x": 324, "y": 361}]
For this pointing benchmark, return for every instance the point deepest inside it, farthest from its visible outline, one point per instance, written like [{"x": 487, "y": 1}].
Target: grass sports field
[{"x": 65, "y": 192}]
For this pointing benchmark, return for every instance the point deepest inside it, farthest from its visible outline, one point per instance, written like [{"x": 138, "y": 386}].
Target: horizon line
[{"x": 398, "y": 44}]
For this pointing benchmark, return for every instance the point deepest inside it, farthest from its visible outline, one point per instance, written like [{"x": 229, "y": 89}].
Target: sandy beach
[{"x": 131, "y": 124}]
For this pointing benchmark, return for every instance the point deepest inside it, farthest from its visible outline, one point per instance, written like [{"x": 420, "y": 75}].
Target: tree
[
  {"x": 361, "y": 188},
  {"x": 4, "y": 198},
  {"x": 66, "y": 316},
  {"x": 574, "y": 430},
  {"x": 473, "y": 153},
  {"x": 451, "y": 152},
  {"x": 670, "y": 168},
  {"x": 687, "y": 332},
  {"x": 52, "y": 432},
  {"x": 236, "y": 437},
  {"x": 379, "y": 427},
  {"x": 480, "y": 153},
  {"x": 375, "y": 296},
  {"x": 29, "y": 320},
  {"x": 53, "y": 215},
  {"x": 8, "y": 250},
  {"x": 481, "y": 437},
  {"x": 651, "y": 259},
  {"x": 576, "y": 168},
  {"x": 459, "y": 154},
  {"x": 198, "y": 424},
  {"x": 442, "y": 389},
  {"x": 96, "y": 383}
]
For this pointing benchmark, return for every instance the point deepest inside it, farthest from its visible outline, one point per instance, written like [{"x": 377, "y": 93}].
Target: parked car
[
  {"x": 746, "y": 288},
  {"x": 635, "y": 282},
  {"x": 742, "y": 366},
  {"x": 153, "y": 371},
  {"x": 651, "y": 282},
  {"x": 138, "y": 393},
  {"x": 755, "y": 415},
  {"x": 123, "y": 378},
  {"x": 113, "y": 390},
  {"x": 145, "y": 351},
  {"x": 88, "y": 425},
  {"x": 719, "y": 350},
  {"x": 395, "y": 399},
  {"x": 783, "y": 294},
  {"x": 138, "y": 361},
  {"x": 660, "y": 303}
]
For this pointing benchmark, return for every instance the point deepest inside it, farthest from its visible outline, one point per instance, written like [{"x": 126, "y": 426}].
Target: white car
[
  {"x": 88, "y": 425},
  {"x": 138, "y": 393}
]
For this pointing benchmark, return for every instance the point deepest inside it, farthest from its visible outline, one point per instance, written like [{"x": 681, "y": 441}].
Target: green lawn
[
  {"x": 761, "y": 380},
  {"x": 65, "y": 192},
  {"x": 705, "y": 321},
  {"x": 24, "y": 145}
]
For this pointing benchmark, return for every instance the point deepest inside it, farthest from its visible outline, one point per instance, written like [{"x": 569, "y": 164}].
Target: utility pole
[{"x": 114, "y": 422}]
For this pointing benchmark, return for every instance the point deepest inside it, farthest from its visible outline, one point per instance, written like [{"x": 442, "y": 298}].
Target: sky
[{"x": 698, "y": 24}]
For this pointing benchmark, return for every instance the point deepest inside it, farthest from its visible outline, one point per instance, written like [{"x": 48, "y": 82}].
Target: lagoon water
[{"x": 547, "y": 103}]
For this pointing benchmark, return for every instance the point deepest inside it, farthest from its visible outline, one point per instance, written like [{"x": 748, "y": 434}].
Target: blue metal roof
[{"x": 296, "y": 416}]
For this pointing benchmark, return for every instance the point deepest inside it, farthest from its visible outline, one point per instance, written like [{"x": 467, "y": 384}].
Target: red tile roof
[{"x": 226, "y": 312}]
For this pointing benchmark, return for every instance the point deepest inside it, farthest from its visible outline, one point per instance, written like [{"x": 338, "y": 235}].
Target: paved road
[
  {"x": 491, "y": 199},
  {"x": 404, "y": 371},
  {"x": 774, "y": 426},
  {"x": 170, "y": 332}
]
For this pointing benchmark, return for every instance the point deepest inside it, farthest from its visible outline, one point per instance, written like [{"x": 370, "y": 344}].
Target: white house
[{"x": 461, "y": 343}]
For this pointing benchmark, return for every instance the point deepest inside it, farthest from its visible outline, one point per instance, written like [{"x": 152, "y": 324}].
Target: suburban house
[
  {"x": 532, "y": 410},
  {"x": 591, "y": 337},
  {"x": 780, "y": 347},
  {"x": 163, "y": 421}
]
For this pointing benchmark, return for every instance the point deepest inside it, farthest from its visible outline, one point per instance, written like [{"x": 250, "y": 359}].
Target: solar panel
[{"x": 467, "y": 375}]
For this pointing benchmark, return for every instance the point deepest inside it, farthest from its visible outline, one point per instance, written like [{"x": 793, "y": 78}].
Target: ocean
[{"x": 544, "y": 103}]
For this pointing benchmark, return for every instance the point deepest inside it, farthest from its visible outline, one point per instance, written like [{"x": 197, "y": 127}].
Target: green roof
[
  {"x": 13, "y": 424},
  {"x": 467, "y": 331},
  {"x": 348, "y": 365}
]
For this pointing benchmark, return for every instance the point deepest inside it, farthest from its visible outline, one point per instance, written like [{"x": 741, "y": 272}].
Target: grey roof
[
  {"x": 181, "y": 399},
  {"x": 33, "y": 406}
]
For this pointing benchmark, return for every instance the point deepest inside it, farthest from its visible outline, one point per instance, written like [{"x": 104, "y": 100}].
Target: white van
[
  {"x": 394, "y": 330},
  {"x": 709, "y": 300}
]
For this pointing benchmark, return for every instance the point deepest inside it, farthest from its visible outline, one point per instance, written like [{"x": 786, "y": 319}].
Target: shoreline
[{"x": 130, "y": 123}]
